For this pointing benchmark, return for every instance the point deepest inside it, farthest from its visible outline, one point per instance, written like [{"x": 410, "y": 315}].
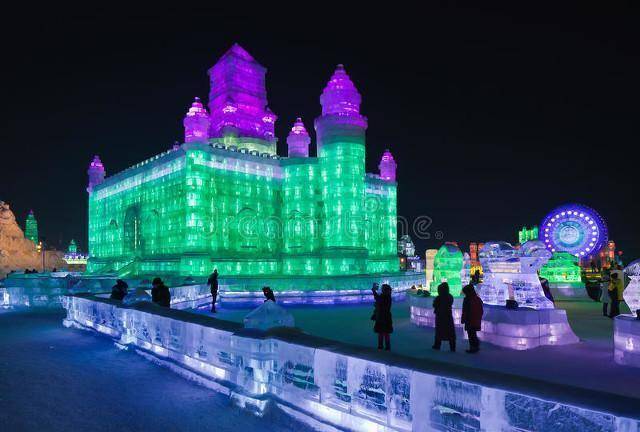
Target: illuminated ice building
[{"x": 225, "y": 199}]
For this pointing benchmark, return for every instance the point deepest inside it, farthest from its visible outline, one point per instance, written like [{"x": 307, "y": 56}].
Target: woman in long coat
[
  {"x": 382, "y": 316},
  {"x": 445, "y": 331}
]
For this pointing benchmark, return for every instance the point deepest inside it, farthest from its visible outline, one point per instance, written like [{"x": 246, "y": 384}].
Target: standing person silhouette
[
  {"x": 213, "y": 285},
  {"x": 382, "y": 316},
  {"x": 445, "y": 330}
]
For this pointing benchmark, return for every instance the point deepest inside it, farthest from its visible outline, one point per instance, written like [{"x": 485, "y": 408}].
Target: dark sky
[{"x": 495, "y": 116}]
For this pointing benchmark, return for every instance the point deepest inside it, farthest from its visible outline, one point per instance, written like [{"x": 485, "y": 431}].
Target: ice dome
[{"x": 268, "y": 315}]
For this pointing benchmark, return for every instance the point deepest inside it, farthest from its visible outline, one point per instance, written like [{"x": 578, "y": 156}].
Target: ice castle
[{"x": 226, "y": 199}]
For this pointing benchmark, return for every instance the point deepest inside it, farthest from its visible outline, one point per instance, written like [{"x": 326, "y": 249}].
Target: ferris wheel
[{"x": 574, "y": 228}]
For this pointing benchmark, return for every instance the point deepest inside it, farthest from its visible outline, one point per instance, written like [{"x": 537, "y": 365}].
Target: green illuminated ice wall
[
  {"x": 562, "y": 268},
  {"x": 224, "y": 199}
]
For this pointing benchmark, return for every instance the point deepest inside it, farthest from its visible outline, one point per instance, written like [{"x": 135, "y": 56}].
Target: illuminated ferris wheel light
[{"x": 567, "y": 230}]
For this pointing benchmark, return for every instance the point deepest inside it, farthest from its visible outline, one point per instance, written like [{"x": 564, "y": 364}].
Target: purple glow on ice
[
  {"x": 387, "y": 167},
  {"x": 238, "y": 97},
  {"x": 196, "y": 123},
  {"x": 340, "y": 96},
  {"x": 96, "y": 173},
  {"x": 298, "y": 140}
]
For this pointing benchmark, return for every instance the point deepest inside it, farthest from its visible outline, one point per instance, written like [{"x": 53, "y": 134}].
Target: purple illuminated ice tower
[
  {"x": 96, "y": 173},
  {"x": 340, "y": 96},
  {"x": 387, "y": 167},
  {"x": 298, "y": 140},
  {"x": 196, "y": 123},
  {"x": 238, "y": 97}
]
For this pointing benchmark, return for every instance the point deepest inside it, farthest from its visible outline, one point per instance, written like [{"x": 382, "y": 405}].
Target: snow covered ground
[
  {"x": 588, "y": 364},
  {"x": 58, "y": 379}
]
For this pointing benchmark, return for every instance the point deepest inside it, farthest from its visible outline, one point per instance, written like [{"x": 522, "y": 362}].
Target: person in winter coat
[
  {"x": 445, "y": 331},
  {"x": 382, "y": 316},
  {"x": 213, "y": 285},
  {"x": 616, "y": 287},
  {"x": 547, "y": 289},
  {"x": 268, "y": 294},
  {"x": 119, "y": 290},
  {"x": 160, "y": 293},
  {"x": 472, "y": 311}
]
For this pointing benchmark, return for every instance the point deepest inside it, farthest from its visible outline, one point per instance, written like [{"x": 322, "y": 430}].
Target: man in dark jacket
[
  {"x": 472, "y": 311},
  {"x": 213, "y": 285},
  {"x": 160, "y": 293},
  {"x": 119, "y": 290},
  {"x": 445, "y": 330}
]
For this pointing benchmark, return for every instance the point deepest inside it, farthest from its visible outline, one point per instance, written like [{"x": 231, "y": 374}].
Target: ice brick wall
[{"x": 326, "y": 380}]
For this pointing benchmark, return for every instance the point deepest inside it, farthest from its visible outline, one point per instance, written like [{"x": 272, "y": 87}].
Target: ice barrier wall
[
  {"x": 49, "y": 291},
  {"x": 345, "y": 386}
]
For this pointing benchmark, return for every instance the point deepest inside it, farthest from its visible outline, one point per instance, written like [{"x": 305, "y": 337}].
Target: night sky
[{"x": 494, "y": 116}]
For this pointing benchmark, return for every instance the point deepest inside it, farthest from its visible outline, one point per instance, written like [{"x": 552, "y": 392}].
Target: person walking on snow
[
  {"x": 472, "y": 310},
  {"x": 382, "y": 315},
  {"x": 445, "y": 330}
]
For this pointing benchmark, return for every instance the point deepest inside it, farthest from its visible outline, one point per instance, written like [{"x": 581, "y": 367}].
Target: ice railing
[{"x": 348, "y": 387}]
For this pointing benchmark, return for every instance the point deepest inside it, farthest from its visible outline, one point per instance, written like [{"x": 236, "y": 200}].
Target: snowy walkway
[
  {"x": 58, "y": 379},
  {"x": 588, "y": 364}
]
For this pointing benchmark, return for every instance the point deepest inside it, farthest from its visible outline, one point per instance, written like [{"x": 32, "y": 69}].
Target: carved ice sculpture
[
  {"x": 268, "y": 315},
  {"x": 511, "y": 274},
  {"x": 626, "y": 328},
  {"x": 632, "y": 292}
]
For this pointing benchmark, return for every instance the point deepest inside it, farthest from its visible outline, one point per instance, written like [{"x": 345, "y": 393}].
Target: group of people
[
  {"x": 614, "y": 282},
  {"x": 472, "y": 311},
  {"x": 160, "y": 293}
]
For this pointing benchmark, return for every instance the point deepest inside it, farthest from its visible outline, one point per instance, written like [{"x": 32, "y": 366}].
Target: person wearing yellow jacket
[{"x": 616, "y": 287}]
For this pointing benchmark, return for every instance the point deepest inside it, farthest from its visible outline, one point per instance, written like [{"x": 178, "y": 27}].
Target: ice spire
[
  {"x": 196, "y": 123},
  {"x": 96, "y": 173},
  {"x": 298, "y": 140},
  {"x": 387, "y": 166},
  {"x": 238, "y": 97},
  {"x": 31, "y": 228},
  {"x": 340, "y": 96}
]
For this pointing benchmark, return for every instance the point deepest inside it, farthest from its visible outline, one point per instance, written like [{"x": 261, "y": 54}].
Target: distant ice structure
[
  {"x": 511, "y": 274},
  {"x": 465, "y": 275},
  {"x": 269, "y": 315},
  {"x": 430, "y": 256},
  {"x": 626, "y": 328},
  {"x": 340, "y": 386},
  {"x": 447, "y": 267}
]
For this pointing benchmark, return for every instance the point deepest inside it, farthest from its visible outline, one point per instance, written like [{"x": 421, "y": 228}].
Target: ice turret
[
  {"x": 238, "y": 97},
  {"x": 387, "y": 167},
  {"x": 298, "y": 140},
  {"x": 196, "y": 123},
  {"x": 340, "y": 96},
  {"x": 96, "y": 173},
  {"x": 340, "y": 137}
]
